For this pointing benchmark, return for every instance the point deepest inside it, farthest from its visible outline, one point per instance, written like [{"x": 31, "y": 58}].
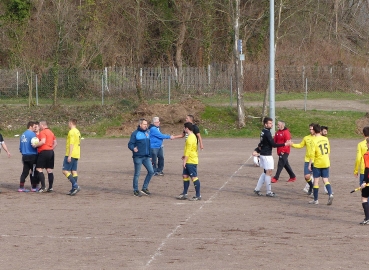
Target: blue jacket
[
  {"x": 141, "y": 139},
  {"x": 156, "y": 137},
  {"x": 25, "y": 146}
]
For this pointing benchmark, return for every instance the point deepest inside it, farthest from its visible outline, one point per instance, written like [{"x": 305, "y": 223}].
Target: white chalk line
[{"x": 165, "y": 240}]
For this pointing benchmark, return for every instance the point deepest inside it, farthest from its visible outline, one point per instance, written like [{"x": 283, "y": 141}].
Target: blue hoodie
[
  {"x": 156, "y": 137},
  {"x": 141, "y": 139},
  {"x": 25, "y": 146}
]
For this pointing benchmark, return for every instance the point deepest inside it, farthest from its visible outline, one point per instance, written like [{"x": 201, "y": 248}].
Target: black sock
[
  {"x": 41, "y": 178},
  {"x": 50, "y": 176},
  {"x": 366, "y": 210}
]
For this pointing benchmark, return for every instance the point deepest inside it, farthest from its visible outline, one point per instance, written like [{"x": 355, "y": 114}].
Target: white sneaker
[
  {"x": 306, "y": 190},
  {"x": 314, "y": 202}
]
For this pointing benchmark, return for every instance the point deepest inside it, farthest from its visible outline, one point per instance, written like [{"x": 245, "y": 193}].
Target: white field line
[{"x": 165, "y": 240}]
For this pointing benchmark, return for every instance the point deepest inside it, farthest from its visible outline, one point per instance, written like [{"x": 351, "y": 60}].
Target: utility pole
[
  {"x": 239, "y": 57},
  {"x": 272, "y": 67}
]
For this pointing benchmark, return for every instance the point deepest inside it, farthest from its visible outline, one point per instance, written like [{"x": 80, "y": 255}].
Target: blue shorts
[
  {"x": 70, "y": 166},
  {"x": 321, "y": 172},
  {"x": 191, "y": 170},
  {"x": 306, "y": 168}
]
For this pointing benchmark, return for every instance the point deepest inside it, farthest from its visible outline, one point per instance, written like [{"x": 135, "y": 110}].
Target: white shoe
[
  {"x": 270, "y": 194},
  {"x": 314, "y": 202},
  {"x": 306, "y": 190}
]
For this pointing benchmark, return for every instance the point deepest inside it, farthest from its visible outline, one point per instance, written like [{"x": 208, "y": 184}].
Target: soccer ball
[{"x": 35, "y": 141}]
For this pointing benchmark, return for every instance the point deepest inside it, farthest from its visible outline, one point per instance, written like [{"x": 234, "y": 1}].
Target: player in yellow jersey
[
  {"x": 72, "y": 155},
  {"x": 190, "y": 160},
  {"x": 319, "y": 155},
  {"x": 364, "y": 186},
  {"x": 362, "y": 148},
  {"x": 306, "y": 142}
]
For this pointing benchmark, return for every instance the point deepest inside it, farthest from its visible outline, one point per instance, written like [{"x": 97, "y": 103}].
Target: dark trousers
[
  {"x": 283, "y": 163},
  {"x": 157, "y": 158},
  {"x": 29, "y": 162}
]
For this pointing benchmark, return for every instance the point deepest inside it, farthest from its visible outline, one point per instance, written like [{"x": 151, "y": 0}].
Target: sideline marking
[{"x": 165, "y": 240}]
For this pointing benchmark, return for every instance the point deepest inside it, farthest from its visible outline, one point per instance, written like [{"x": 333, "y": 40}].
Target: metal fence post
[
  {"x": 36, "y": 90},
  {"x": 106, "y": 78},
  {"x": 231, "y": 97},
  {"x": 141, "y": 77},
  {"x": 102, "y": 89},
  {"x": 306, "y": 93},
  {"x": 168, "y": 89},
  {"x": 303, "y": 77},
  {"x": 17, "y": 82},
  {"x": 209, "y": 75},
  {"x": 331, "y": 79}
]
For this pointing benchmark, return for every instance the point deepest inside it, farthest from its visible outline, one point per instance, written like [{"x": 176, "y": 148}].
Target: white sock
[
  {"x": 260, "y": 182},
  {"x": 268, "y": 183}
]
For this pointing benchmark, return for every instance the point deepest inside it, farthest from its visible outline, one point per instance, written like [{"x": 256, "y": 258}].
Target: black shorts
[
  {"x": 365, "y": 192},
  {"x": 45, "y": 159},
  {"x": 30, "y": 159}
]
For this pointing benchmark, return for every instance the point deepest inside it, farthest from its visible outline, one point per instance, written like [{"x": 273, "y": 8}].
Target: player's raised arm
[{"x": 299, "y": 145}]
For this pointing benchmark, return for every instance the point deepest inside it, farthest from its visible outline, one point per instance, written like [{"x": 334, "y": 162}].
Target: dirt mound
[
  {"x": 361, "y": 123},
  {"x": 172, "y": 116}
]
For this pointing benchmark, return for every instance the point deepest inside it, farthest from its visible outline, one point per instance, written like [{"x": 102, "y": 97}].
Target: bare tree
[
  {"x": 184, "y": 12},
  {"x": 238, "y": 69}
]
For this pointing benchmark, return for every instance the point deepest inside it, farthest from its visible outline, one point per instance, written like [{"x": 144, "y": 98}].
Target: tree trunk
[
  {"x": 30, "y": 88},
  {"x": 137, "y": 55},
  {"x": 185, "y": 13},
  {"x": 238, "y": 69},
  {"x": 179, "y": 48}
]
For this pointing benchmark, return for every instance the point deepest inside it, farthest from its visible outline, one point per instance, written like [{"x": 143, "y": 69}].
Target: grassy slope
[{"x": 219, "y": 121}]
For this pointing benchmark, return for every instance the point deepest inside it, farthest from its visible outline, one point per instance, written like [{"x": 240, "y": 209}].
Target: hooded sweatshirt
[
  {"x": 156, "y": 137},
  {"x": 141, "y": 139}
]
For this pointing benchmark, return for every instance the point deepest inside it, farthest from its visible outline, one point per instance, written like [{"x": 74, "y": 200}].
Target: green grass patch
[
  {"x": 225, "y": 99},
  {"x": 222, "y": 122}
]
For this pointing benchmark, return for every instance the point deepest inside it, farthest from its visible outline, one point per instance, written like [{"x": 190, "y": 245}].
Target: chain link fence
[{"x": 164, "y": 83}]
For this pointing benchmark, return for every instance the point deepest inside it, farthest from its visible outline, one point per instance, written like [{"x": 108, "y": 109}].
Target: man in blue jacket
[
  {"x": 139, "y": 144},
  {"x": 156, "y": 145},
  {"x": 29, "y": 157}
]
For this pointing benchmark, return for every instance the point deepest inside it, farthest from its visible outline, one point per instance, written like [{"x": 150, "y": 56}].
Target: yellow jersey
[
  {"x": 74, "y": 137},
  {"x": 359, "y": 162},
  {"x": 190, "y": 149},
  {"x": 306, "y": 142},
  {"x": 320, "y": 152}
]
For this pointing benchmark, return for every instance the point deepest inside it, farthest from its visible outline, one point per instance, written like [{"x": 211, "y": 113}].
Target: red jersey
[
  {"x": 49, "y": 140},
  {"x": 281, "y": 136}
]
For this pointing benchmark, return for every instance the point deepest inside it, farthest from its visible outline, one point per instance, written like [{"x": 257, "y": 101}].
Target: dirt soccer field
[{"x": 106, "y": 227}]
